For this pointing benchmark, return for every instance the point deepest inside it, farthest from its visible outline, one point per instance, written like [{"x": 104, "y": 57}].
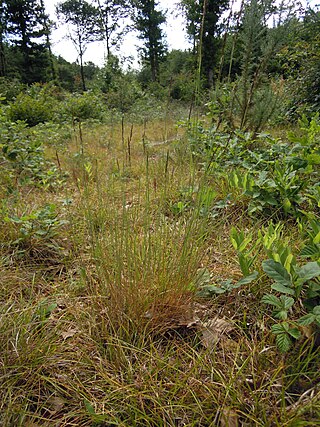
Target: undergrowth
[{"x": 134, "y": 280}]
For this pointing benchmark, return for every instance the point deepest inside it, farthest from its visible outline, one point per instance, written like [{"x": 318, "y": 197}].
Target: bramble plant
[
  {"x": 207, "y": 289},
  {"x": 295, "y": 284},
  {"x": 23, "y": 151},
  {"x": 37, "y": 229}
]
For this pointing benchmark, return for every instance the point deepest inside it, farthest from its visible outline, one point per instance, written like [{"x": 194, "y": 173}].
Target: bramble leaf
[
  {"x": 294, "y": 332},
  {"x": 283, "y": 342},
  {"x": 272, "y": 300},
  {"x": 287, "y": 302},
  {"x": 306, "y": 320}
]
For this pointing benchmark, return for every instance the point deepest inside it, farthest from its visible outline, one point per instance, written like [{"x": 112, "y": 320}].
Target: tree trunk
[
  {"x": 2, "y": 59},
  {"x": 104, "y": 21},
  {"x": 48, "y": 42},
  {"x": 82, "y": 69}
]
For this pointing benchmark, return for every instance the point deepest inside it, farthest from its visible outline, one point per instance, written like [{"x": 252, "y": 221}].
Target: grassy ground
[{"x": 100, "y": 321}]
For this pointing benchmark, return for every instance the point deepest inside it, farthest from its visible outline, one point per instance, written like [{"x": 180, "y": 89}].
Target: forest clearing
[{"x": 159, "y": 228}]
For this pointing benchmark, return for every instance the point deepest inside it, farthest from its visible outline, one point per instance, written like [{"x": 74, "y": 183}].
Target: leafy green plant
[
  {"x": 311, "y": 248},
  {"x": 246, "y": 254},
  {"x": 313, "y": 196},
  {"x": 30, "y": 110},
  {"x": 299, "y": 283},
  {"x": 284, "y": 333},
  {"x": 309, "y": 132},
  {"x": 83, "y": 107},
  {"x": 276, "y": 245},
  {"x": 224, "y": 286},
  {"x": 296, "y": 283},
  {"x": 313, "y": 317},
  {"x": 183, "y": 202},
  {"x": 191, "y": 198},
  {"x": 37, "y": 229},
  {"x": 10, "y": 88},
  {"x": 275, "y": 190},
  {"x": 281, "y": 305},
  {"x": 23, "y": 152}
]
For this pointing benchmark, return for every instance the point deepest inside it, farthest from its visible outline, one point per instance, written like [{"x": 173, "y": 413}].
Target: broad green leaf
[
  {"x": 245, "y": 264},
  {"x": 244, "y": 243},
  {"x": 295, "y": 333},
  {"x": 277, "y": 272},
  {"x": 309, "y": 271},
  {"x": 287, "y": 264},
  {"x": 276, "y": 257},
  {"x": 313, "y": 290},
  {"x": 306, "y": 320},
  {"x": 310, "y": 251},
  {"x": 246, "y": 280},
  {"x": 286, "y": 204},
  {"x": 287, "y": 302},
  {"x": 272, "y": 300},
  {"x": 44, "y": 311},
  {"x": 316, "y": 239},
  {"x": 233, "y": 238},
  {"x": 238, "y": 240},
  {"x": 316, "y": 310},
  {"x": 89, "y": 407},
  {"x": 282, "y": 315},
  {"x": 283, "y": 289},
  {"x": 280, "y": 328},
  {"x": 212, "y": 289},
  {"x": 283, "y": 342},
  {"x": 235, "y": 179},
  {"x": 271, "y": 200}
]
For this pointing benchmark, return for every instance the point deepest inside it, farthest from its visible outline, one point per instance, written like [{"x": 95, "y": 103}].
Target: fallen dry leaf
[
  {"x": 56, "y": 404},
  {"x": 213, "y": 331},
  {"x": 69, "y": 334},
  {"x": 229, "y": 418}
]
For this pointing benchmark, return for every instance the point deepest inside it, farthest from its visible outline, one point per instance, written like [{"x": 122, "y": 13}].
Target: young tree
[
  {"x": 83, "y": 19},
  {"x": 202, "y": 23},
  {"x": 111, "y": 12},
  {"x": 24, "y": 27},
  {"x": 147, "y": 20},
  {"x": 262, "y": 28},
  {"x": 299, "y": 60},
  {"x": 47, "y": 24},
  {"x": 2, "y": 37},
  {"x": 192, "y": 12}
]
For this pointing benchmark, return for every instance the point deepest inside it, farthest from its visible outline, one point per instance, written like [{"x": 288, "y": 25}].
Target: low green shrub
[
  {"x": 22, "y": 152},
  {"x": 37, "y": 230},
  {"x": 29, "y": 110},
  {"x": 83, "y": 107},
  {"x": 33, "y": 107},
  {"x": 10, "y": 89}
]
